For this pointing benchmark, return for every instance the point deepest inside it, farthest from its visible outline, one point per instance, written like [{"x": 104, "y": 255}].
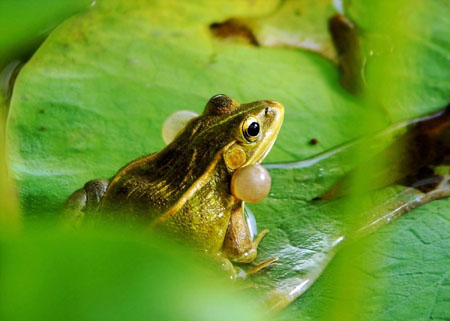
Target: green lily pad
[
  {"x": 96, "y": 93},
  {"x": 300, "y": 24},
  {"x": 399, "y": 273}
]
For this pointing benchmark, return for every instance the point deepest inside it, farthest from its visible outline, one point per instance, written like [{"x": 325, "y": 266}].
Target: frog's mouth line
[
  {"x": 273, "y": 133},
  {"x": 268, "y": 148},
  {"x": 195, "y": 187}
]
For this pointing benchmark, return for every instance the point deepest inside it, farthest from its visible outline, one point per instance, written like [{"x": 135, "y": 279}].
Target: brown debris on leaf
[
  {"x": 234, "y": 29},
  {"x": 293, "y": 24},
  {"x": 411, "y": 159},
  {"x": 346, "y": 42}
]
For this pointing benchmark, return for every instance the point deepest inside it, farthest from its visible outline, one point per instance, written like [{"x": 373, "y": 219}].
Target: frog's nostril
[
  {"x": 274, "y": 104},
  {"x": 274, "y": 108}
]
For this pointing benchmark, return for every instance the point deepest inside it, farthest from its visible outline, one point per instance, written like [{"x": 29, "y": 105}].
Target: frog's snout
[{"x": 275, "y": 104}]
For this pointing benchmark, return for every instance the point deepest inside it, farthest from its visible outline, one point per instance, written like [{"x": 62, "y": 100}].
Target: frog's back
[
  {"x": 174, "y": 192},
  {"x": 145, "y": 188}
]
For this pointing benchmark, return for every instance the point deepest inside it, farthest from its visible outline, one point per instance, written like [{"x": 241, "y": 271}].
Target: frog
[{"x": 185, "y": 188}]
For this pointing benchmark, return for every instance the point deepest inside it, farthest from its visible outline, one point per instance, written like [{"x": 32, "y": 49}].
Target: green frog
[{"x": 185, "y": 188}]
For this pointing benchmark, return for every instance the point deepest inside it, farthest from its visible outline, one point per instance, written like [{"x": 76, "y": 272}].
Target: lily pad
[
  {"x": 300, "y": 24},
  {"x": 398, "y": 273},
  {"x": 96, "y": 93}
]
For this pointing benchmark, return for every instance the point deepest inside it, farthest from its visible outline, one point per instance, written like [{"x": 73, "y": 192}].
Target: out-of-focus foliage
[
  {"x": 405, "y": 49},
  {"x": 9, "y": 207},
  {"x": 24, "y": 24},
  {"x": 111, "y": 275},
  {"x": 399, "y": 273}
]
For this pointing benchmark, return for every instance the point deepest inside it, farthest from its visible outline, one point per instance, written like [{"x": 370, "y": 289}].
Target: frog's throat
[{"x": 195, "y": 187}]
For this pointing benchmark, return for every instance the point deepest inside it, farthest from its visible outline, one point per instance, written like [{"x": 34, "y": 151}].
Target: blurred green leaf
[
  {"x": 10, "y": 218},
  {"x": 405, "y": 48},
  {"x": 51, "y": 274},
  {"x": 24, "y": 24}
]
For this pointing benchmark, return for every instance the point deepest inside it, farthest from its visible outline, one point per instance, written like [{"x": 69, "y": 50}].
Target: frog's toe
[
  {"x": 84, "y": 200},
  {"x": 74, "y": 207},
  {"x": 261, "y": 266}
]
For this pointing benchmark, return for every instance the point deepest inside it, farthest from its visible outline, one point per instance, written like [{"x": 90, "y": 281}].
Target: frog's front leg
[
  {"x": 238, "y": 245},
  {"x": 85, "y": 200}
]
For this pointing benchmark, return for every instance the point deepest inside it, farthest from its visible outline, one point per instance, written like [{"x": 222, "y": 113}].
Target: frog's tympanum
[{"x": 186, "y": 187}]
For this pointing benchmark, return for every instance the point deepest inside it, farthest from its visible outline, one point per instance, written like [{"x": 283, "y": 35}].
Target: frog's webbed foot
[
  {"x": 255, "y": 245},
  {"x": 84, "y": 200},
  {"x": 250, "y": 254},
  {"x": 238, "y": 245},
  {"x": 261, "y": 266},
  {"x": 253, "y": 252},
  {"x": 227, "y": 267},
  {"x": 235, "y": 273},
  {"x": 247, "y": 254}
]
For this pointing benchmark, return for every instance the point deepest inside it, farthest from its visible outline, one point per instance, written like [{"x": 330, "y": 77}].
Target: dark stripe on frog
[
  {"x": 126, "y": 169},
  {"x": 190, "y": 166},
  {"x": 199, "y": 183}
]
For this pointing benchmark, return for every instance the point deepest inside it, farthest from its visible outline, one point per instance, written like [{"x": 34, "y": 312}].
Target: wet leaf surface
[
  {"x": 96, "y": 94},
  {"x": 405, "y": 265},
  {"x": 297, "y": 24}
]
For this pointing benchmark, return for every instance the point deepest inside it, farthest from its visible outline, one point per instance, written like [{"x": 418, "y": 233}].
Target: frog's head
[{"x": 242, "y": 133}]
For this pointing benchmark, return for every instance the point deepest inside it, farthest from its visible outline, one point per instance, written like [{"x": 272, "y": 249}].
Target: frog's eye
[{"x": 250, "y": 129}]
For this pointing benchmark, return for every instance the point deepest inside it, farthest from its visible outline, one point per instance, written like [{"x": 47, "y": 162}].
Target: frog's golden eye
[{"x": 250, "y": 129}]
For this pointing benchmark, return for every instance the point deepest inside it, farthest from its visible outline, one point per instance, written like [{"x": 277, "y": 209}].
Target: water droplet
[
  {"x": 338, "y": 5},
  {"x": 251, "y": 222}
]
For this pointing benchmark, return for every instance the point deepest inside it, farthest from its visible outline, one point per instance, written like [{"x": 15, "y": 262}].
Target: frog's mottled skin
[{"x": 185, "y": 188}]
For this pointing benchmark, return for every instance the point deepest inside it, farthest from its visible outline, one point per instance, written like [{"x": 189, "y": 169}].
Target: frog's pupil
[{"x": 253, "y": 129}]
